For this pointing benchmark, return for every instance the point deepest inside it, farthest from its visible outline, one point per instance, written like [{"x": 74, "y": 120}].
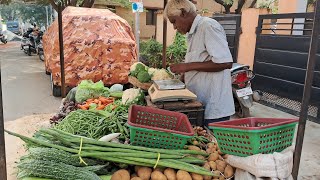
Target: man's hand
[{"x": 179, "y": 68}]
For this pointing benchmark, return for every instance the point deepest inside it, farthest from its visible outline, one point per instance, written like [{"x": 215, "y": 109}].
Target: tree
[
  {"x": 227, "y": 4},
  {"x": 25, "y": 12},
  {"x": 65, "y": 3}
]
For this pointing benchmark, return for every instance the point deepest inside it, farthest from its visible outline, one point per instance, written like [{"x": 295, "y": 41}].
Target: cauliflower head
[
  {"x": 161, "y": 74},
  {"x": 151, "y": 71},
  {"x": 132, "y": 96}
]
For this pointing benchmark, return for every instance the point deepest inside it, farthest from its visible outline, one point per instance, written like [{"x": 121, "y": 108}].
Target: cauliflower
[
  {"x": 161, "y": 74},
  {"x": 143, "y": 76},
  {"x": 151, "y": 71},
  {"x": 132, "y": 96}
]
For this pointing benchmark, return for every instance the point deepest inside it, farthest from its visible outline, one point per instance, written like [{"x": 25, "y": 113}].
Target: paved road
[{"x": 25, "y": 86}]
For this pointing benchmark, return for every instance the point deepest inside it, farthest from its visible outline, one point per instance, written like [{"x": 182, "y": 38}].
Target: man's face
[{"x": 179, "y": 23}]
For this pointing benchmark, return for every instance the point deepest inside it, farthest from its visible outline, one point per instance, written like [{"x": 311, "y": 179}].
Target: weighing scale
[{"x": 170, "y": 90}]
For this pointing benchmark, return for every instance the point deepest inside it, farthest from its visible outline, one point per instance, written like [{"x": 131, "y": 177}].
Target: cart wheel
[{"x": 56, "y": 90}]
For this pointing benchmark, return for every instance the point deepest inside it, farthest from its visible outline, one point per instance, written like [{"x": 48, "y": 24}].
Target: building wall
[
  {"x": 170, "y": 30},
  {"x": 146, "y": 31},
  {"x": 156, "y": 4}
]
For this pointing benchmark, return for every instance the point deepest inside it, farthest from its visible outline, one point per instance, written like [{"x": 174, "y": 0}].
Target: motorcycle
[
  {"x": 241, "y": 88},
  {"x": 28, "y": 44},
  {"x": 40, "y": 51},
  {"x": 40, "y": 46},
  {"x": 3, "y": 38}
]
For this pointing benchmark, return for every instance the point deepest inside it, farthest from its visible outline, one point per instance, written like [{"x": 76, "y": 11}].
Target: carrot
[
  {"x": 101, "y": 107},
  {"x": 82, "y": 107},
  {"x": 89, "y": 101},
  {"x": 104, "y": 101},
  {"x": 96, "y": 101},
  {"x": 86, "y": 105}
]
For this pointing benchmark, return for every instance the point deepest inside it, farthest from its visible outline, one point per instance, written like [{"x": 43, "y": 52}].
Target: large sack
[
  {"x": 98, "y": 45},
  {"x": 276, "y": 165}
]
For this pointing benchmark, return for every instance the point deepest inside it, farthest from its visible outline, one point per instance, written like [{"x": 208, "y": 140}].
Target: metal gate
[
  {"x": 281, "y": 57},
  {"x": 232, "y": 27}
]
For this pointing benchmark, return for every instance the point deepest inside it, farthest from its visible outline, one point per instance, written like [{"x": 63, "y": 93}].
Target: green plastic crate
[{"x": 244, "y": 140}]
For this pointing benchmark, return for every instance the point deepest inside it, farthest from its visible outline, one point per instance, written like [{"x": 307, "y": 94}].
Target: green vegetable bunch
[
  {"x": 140, "y": 71},
  {"x": 87, "y": 89}
]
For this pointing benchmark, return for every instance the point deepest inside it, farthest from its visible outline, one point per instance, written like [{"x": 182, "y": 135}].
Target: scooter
[
  {"x": 241, "y": 87},
  {"x": 3, "y": 38},
  {"x": 40, "y": 46},
  {"x": 40, "y": 51},
  {"x": 28, "y": 44}
]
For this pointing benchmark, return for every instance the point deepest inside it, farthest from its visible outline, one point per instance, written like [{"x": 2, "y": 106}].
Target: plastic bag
[{"x": 88, "y": 90}]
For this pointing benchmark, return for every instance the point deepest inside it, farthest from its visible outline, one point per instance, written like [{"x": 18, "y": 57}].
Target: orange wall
[{"x": 247, "y": 42}]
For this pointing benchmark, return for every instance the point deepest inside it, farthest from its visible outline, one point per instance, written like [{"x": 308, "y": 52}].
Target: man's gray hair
[{"x": 174, "y": 7}]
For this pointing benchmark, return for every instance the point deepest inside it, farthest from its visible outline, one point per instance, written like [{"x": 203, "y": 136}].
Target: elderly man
[{"x": 206, "y": 70}]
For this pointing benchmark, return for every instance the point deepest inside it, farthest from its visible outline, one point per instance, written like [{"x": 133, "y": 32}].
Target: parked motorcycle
[
  {"x": 40, "y": 46},
  {"x": 3, "y": 38},
  {"x": 241, "y": 88},
  {"x": 28, "y": 44}
]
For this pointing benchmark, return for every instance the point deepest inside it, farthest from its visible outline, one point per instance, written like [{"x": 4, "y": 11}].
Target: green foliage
[
  {"x": 177, "y": 50},
  {"x": 151, "y": 50},
  {"x": 26, "y": 12}
]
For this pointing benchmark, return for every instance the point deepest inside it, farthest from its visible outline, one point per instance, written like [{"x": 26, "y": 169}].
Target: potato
[
  {"x": 136, "y": 168},
  {"x": 183, "y": 175},
  {"x": 216, "y": 173},
  {"x": 157, "y": 175},
  {"x": 203, "y": 151},
  {"x": 213, "y": 165},
  {"x": 210, "y": 145},
  {"x": 195, "y": 148},
  {"x": 228, "y": 172},
  {"x": 221, "y": 178},
  {"x": 196, "y": 143},
  {"x": 170, "y": 173},
  {"x": 196, "y": 176},
  {"x": 200, "y": 157},
  {"x": 207, "y": 166},
  {"x": 136, "y": 178},
  {"x": 159, "y": 169},
  {"x": 209, "y": 150},
  {"x": 134, "y": 175},
  {"x": 221, "y": 165},
  {"x": 219, "y": 152},
  {"x": 121, "y": 174},
  {"x": 144, "y": 173},
  {"x": 213, "y": 157},
  {"x": 207, "y": 177}
]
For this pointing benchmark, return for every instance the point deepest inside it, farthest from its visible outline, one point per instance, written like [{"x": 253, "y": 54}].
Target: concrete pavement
[{"x": 25, "y": 86}]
